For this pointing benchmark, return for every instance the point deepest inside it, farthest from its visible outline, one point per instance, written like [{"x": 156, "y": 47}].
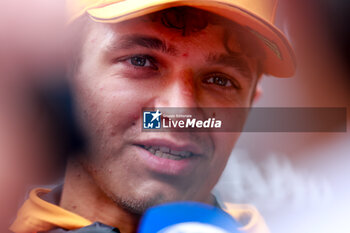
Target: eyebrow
[
  {"x": 236, "y": 61},
  {"x": 130, "y": 41}
]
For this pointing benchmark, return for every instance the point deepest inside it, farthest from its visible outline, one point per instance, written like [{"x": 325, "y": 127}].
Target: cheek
[{"x": 103, "y": 107}]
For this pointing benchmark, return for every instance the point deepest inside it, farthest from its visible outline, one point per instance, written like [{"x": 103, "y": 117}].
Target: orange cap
[{"x": 256, "y": 15}]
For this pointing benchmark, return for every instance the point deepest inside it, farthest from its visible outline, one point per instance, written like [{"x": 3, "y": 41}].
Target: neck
[{"x": 82, "y": 196}]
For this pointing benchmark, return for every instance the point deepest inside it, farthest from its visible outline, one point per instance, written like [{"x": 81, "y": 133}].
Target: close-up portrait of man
[{"x": 124, "y": 55}]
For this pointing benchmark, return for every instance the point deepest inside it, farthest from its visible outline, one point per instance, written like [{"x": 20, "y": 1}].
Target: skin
[{"x": 111, "y": 183}]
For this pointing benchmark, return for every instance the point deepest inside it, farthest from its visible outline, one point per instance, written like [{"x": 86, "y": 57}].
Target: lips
[
  {"x": 166, "y": 152},
  {"x": 169, "y": 157},
  {"x": 165, "y": 147}
]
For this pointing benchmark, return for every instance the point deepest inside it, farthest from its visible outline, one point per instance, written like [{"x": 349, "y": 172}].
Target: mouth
[
  {"x": 167, "y": 153},
  {"x": 170, "y": 157}
]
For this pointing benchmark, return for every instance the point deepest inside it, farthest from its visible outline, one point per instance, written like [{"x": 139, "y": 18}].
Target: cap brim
[{"x": 279, "y": 57}]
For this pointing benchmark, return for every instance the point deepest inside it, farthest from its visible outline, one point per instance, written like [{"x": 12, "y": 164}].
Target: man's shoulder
[
  {"x": 38, "y": 214},
  {"x": 41, "y": 213},
  {"x": 248, "y": 216}
]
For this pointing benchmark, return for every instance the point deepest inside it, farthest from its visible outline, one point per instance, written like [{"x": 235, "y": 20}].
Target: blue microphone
[{"x": 187, "y": 217}]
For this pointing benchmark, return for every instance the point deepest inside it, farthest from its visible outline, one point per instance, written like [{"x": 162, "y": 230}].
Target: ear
[{"x": 257, "y": 93}]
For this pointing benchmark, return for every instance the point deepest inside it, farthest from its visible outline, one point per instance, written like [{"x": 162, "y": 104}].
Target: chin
[
  {"x": 138, "y": 206},
  {"x": 138, "y": 203}
]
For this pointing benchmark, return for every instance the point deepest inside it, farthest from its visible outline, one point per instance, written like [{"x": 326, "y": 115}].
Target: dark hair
[
  {"x": 185, "y": 19},
  {"x": 190, "y": 20}
]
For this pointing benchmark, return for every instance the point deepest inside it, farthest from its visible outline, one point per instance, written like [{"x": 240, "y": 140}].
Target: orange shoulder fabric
[
  {"x": 248, "y": 216},
  {"x": 39, "y": 215}
]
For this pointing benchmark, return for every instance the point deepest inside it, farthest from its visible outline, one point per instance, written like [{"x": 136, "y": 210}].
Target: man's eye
[
  {"x": 141, "y": 61},
  {"x": 220, "y": 80}
]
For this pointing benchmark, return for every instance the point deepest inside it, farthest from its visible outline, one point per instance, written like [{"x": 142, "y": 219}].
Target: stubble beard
[{"x": 138, "y": 206}]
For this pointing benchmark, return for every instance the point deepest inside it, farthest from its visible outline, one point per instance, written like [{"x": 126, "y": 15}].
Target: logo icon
[{"x": 151, "y": 120}]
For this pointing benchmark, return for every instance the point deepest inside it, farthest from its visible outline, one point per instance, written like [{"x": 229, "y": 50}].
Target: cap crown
[{"x": 263, "y": 8}]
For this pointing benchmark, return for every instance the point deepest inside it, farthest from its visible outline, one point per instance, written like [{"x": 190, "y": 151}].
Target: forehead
[
  {"x": 216, "y": 39},
  {"x": 194, "y": 29}
]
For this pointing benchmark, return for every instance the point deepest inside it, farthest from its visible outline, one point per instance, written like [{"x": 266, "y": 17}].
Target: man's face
[{"x": 141, "y": 63}]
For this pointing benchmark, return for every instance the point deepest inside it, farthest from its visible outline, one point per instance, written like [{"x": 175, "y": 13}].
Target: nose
[{"x": 179, "y": 91}]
